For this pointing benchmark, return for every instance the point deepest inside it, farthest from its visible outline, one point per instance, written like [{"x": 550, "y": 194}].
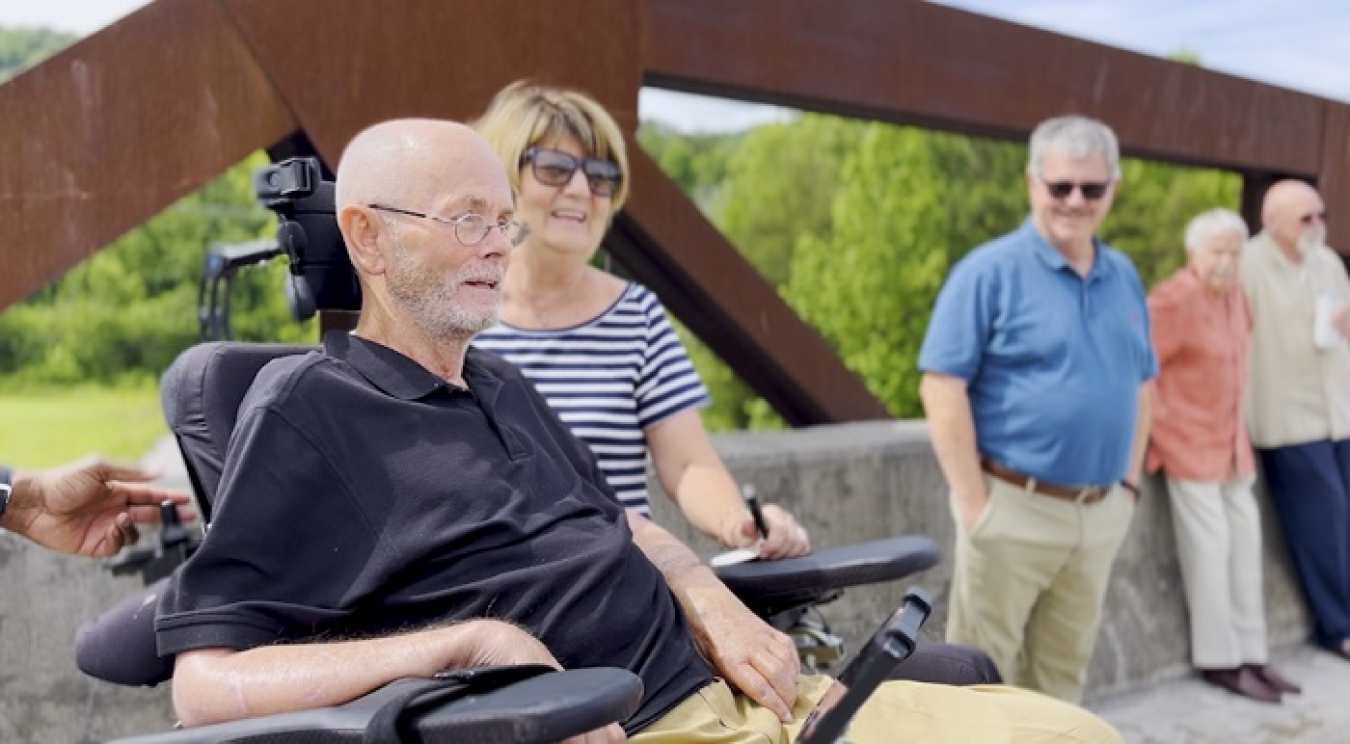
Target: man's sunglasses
[
  {"x": 556, "y": 168},
  {"x": 1063, "y": 189}
]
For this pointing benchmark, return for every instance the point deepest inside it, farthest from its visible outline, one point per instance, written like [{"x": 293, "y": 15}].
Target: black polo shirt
[{"x": 362, "y": 495}]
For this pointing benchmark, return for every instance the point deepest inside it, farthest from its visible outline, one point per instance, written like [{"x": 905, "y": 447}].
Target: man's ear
[{"x": 361, "y": 232}]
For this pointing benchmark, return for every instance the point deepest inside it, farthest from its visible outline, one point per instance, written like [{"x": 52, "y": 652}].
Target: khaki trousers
[
  {"x": 1218, "y": 531},
  {"x": 1029, "y": 581},
  {"x": 896, "y": 712}
]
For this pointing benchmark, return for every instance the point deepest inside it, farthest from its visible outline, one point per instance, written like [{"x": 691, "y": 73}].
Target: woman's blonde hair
[{"x": 525, "y": 114}]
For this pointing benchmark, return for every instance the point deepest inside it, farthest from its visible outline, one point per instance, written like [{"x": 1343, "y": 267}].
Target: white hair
[
  {"x": 1076, "y": 137},
  {"x": 1213, "y": 222}
]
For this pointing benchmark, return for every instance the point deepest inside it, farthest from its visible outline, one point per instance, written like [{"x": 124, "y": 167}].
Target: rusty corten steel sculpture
[{"x": 99, "y": 138}]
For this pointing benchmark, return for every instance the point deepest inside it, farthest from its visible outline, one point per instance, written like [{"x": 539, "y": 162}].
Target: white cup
[{"x": 1325, "y": 334}]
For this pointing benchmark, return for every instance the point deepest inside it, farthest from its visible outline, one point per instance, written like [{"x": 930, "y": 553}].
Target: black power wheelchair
[{"x": 201, "y": 393}]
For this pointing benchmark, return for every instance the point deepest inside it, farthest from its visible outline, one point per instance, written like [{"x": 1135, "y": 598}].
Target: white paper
[
  {"x": 1325, "y": 334},
  {"x": 732, "y": 557}
]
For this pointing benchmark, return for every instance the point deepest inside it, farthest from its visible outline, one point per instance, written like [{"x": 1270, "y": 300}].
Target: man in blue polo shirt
[{"x": 1035, "y": 366}]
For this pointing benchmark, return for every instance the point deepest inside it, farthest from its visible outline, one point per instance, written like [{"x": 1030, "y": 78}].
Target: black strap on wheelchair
[{"x": 391, "y": 723}]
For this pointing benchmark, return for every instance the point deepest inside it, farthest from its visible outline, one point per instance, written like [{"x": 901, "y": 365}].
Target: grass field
[{"x": 50, "y": 427}]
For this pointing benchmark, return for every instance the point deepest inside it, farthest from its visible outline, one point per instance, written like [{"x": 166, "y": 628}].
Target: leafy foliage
[
  {"x": 122, "y": 316},
  {"x": 21, "y": 48},
  {"x": 857, "y": 224}
]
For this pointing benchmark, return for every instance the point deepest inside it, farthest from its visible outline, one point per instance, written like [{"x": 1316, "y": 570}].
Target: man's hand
[
  {"x": 749, "y": 653},
  {"x": 753, "y": 657},
  {"x": 1342, "y": 322},
  {"x": 969, "y": 508},
  {"x": 89, "y": 508},
  {"x": 611, "y": 734},
  {"x": 498, "y": 643},
  {"x": 786, "y": 539}
]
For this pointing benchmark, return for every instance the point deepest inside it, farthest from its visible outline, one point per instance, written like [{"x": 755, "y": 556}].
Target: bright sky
[{"x": 1300, "y": 44}]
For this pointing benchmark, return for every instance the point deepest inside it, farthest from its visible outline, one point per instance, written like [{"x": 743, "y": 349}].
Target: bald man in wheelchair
[{"x": 397, "y": 504}]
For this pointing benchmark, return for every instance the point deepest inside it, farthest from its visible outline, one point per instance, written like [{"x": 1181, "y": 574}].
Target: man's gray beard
[
  {"x": 435, "y": 307},
  {"x": 1312, "y": 237}
]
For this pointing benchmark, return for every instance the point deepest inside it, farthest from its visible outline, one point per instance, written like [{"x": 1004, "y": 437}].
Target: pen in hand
[{"x": 752, "y": 502}]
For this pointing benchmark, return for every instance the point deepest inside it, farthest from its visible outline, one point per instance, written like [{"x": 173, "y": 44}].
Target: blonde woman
[{"x": 599, "y": 348}]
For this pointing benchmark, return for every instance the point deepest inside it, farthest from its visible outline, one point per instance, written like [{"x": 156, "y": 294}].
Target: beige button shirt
[{"x": 1298, "y": 393}]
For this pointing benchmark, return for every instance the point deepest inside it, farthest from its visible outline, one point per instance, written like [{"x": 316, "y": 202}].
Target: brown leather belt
[{"x": 1083, "y": 494}]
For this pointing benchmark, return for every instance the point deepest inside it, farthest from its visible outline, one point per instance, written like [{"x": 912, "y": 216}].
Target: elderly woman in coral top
[{"x": 1202, "y": 335}]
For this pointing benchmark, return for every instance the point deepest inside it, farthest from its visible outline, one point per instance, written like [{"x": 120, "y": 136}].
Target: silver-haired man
[{"x": 1035, "y": 366}]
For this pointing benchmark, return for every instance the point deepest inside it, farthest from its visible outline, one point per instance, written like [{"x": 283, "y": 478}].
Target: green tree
[
  {"x": 912, "y": 202},
  {"x": 122, "y": 315},
  {"x": 21, "y": 48},
  {"x": 1154, "y": 202}
]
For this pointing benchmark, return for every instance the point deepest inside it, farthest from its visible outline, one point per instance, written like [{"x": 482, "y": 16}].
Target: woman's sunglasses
[{"x": 556, "y": 168}]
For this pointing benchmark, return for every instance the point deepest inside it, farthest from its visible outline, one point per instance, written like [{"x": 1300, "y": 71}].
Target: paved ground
[{"x": 1189, "y": 711}]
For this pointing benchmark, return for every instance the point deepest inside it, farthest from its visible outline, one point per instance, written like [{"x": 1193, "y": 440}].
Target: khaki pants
[
  {"x": 1029, "y": 581},
  {"x": 1218, "y": 531},
  {"x": 896, "y": 712}
]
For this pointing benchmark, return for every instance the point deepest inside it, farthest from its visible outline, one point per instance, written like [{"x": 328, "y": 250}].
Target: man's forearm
[
  {"x": 681, "y": 567},
  {"x": 1143, "y": 421},
  {"x": 214, "y": 685},
  {"x": 952, "y": 431}
]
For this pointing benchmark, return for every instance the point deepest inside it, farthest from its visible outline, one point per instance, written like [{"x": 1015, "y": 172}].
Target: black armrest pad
[
  {"x": 832, "y": 568},
  {"x": 542, "y": 709},
  {"x": 119, "y": 645}
]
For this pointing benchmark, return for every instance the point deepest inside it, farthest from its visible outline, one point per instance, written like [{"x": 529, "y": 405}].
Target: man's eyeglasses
[
  {"x": 1063, "y": 189},
  {"x": 470, "y": 228},
  {"x": 556, "y": 168},
  {"x": 1307, "y": 219}
]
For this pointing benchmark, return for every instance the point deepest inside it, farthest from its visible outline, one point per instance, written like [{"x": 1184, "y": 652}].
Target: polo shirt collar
[
  {"x": 386, "y": 369},
  {"x": 1056, "y": 261}
]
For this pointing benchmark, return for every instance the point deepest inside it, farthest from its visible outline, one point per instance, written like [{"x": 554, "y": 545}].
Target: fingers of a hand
[
  {"x": 786, "y": 542},
  {"x": 110, "y": 471},
  {"x": 611, "y": 734},
  {"x": 120, "y": 533},
  {"x": 141, "y": 493},
  {"x": 749, "y": 679}
]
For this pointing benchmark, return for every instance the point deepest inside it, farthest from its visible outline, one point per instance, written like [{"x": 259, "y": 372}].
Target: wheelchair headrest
[{"x": 322, "y": 277}]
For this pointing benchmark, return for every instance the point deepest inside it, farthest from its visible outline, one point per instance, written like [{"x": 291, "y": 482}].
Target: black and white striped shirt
[{"x": 609, "y": 379}]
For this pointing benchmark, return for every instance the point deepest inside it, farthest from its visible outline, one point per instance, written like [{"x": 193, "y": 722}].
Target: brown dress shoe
[
  {"x": 1242, "y": 681},
  {"x": 1274, "y": 680}
]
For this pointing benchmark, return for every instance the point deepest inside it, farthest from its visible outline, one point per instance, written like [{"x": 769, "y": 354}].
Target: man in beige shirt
[{"x": 1299, "y": 398}]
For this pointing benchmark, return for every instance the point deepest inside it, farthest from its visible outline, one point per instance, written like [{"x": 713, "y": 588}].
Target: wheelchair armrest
[
  {"x": 794, "y": 580},
  {"x": 547, "y": 708},
  {"x": 118, "y": 646}
]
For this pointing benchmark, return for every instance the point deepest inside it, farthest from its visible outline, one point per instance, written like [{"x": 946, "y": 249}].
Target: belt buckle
[{"x": 1093, "y": 494}]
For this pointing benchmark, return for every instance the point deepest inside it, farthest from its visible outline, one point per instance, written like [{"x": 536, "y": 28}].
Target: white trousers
[{"x": 1218, "y": 530}]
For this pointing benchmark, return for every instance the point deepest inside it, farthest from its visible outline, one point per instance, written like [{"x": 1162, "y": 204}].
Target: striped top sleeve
[{"x": 609, "y": 380}]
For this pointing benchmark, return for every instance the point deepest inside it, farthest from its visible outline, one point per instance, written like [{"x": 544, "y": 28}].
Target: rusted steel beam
[
  {"x": 929, "y": 65},
  {"x": 666, "y": 243},
  {"x": 343, "y": 65},
  {"x": 1334, "y": 182},
  {"x": 352, "y": 80},
  {"x": 96, "y": 140}
]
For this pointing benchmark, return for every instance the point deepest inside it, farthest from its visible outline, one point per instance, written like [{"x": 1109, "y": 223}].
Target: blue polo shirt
[{"x": 1053, "y": 361}]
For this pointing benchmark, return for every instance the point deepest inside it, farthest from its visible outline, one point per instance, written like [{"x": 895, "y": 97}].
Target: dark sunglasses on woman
[{"x": 556, "y": 168}]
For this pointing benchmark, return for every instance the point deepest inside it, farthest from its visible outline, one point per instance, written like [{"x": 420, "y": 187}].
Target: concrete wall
[
  {"x": 847, "y": 483},
  {"x": 865, "y": 481}
]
